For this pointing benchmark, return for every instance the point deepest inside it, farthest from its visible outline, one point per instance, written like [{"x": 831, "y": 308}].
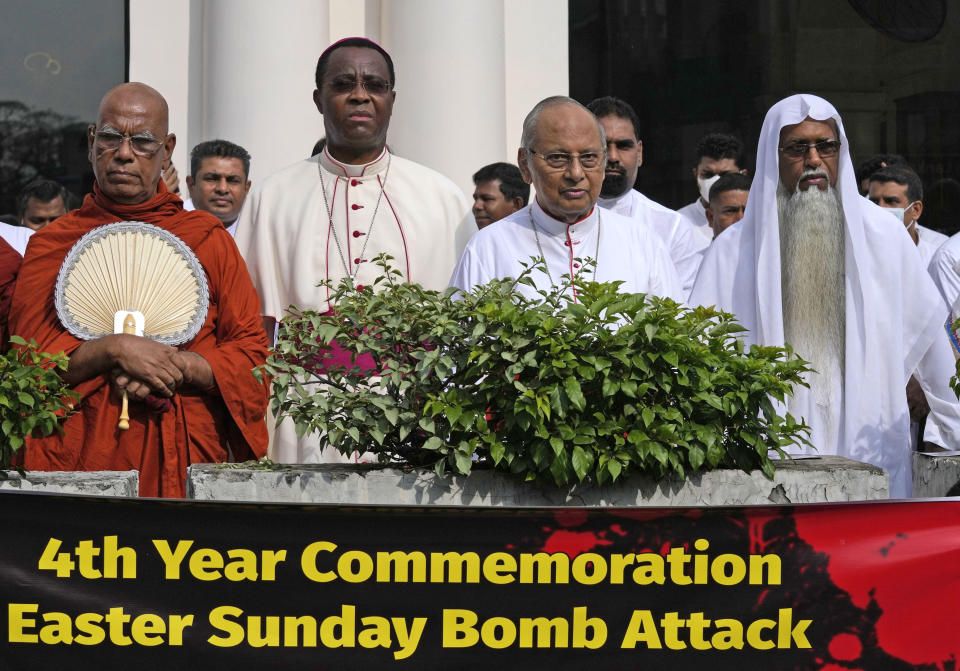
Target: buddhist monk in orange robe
[{"x": 198, "y": 402}]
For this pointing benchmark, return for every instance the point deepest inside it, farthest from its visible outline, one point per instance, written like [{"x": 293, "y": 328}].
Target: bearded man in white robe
[
  {"x": 815, "y": 265},
  {"x": 562, "y": 155}
]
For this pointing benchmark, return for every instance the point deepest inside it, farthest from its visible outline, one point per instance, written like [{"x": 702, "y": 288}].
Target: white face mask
[
  {"x": 705, "y": 185},
  {"x": 898, "y": 212}
]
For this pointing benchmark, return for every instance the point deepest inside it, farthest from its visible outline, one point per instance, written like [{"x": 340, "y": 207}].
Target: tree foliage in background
[
  {"x": 33, "y": 396},
  {"x": 547, "y": 389},
  {"x": 33, "y": 146}
]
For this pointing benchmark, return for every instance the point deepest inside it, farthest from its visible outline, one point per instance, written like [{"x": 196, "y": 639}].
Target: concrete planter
[
  {"x": 97, "y": 483},
  {"x": 934, "y": 476},
  {"x": 826, "y": 479}
]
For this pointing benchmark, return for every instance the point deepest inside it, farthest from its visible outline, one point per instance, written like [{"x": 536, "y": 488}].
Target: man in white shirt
[
  {"x": 899, "y": 190},
  {"x": 40, "y": 202},
  {"x": 329, "y": 216},
  {"x": 562, "y": 155},
  {"x": 717, "y": 154},
  {"x": 218, "y": 181},
  {"x": 624, "y": 157},
  {"x": 814, "y": 264},
  {"x": 499, "y": 191}
]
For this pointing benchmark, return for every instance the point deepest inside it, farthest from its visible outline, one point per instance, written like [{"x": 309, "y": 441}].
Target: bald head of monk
[{"x": 129, "y": 143}]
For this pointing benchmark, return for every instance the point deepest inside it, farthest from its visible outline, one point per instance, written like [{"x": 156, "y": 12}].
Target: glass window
[
  {"x": 690, "y": 67},
  {"x": 59, "y": 58}
]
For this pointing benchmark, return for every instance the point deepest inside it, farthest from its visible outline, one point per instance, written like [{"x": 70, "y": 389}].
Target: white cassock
[
  {"x": 290, "y": 242},
  {"x": 675, "y": 231},
  {"x": 697, "y": 216},
  {"x": 623, "y": 251},
  {"x": 894, "y": 317},
  {"x": 16, "y": 236}
]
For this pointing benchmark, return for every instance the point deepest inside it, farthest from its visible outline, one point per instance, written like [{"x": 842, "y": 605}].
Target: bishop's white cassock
[
  {"x": 623, "y": 251},
  {"x": 321, "y": 219}
]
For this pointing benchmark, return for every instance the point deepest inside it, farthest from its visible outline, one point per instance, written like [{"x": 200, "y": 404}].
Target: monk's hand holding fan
[{"x": 136, "y": 291}]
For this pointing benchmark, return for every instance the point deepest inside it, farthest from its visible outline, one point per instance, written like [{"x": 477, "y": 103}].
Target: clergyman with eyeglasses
[
  {"x": 814, "y": 264},
  {"x": 328, "y": 217},
  {"x": 197, "y": 402},
  {"x": 563, "y": 155}
]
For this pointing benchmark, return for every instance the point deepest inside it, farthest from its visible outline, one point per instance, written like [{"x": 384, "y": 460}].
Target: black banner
[{"x": 151, "y": 584}]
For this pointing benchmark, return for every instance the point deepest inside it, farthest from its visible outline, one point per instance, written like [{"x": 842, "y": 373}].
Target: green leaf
[
  {"x": 572, "y": 386},
  {"x": 582, "y": 462},
  {"x": 647, "y": 415},
  {"x": 464, "y": 462},
  {"x": 433, "y": 443},
  {"x": 392, "y": 415}
]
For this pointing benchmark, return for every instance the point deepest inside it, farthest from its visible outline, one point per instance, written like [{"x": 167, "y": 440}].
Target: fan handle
[{"x": 129, "y": 327}]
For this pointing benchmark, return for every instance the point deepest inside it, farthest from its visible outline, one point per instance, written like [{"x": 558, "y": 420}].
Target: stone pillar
[
  {"x": 256, "y": 62},
  {"x": 449, "y": 58}
]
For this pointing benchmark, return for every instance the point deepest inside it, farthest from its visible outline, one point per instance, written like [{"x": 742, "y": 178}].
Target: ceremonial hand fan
[{"x": 132, "y": 277}]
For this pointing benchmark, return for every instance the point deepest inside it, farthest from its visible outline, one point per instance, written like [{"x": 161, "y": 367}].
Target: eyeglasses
[
  {"x": 589, "y": 160},
  {"x": 142, "y": 145},
  {"x": 372, "y": 85},
  {"x": 798, "y": 150}
]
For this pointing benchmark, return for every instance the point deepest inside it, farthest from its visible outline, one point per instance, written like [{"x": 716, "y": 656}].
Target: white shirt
[
  {"x": 290, "y": 243},
  {"x": 677, "y": 234},
  {"x": 946, "y": 274},
  {"x": 231, "y": 228},
  {"x": 697, "y": 216},
  {"x": 893, "y": 317},
  {"x": 623, "y": 251},
  {"x": 16, "y": 236},
  {"x": 928, "y": 242}
]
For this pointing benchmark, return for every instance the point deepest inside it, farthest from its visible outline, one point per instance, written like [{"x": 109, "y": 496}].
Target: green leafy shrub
[
  {"x": 33, "y": 397},
  {"x": 548, "y": 389}
]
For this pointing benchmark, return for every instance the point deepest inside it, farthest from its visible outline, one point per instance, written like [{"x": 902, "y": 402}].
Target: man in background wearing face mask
[
  {"x": 899, "y": 190},
  {"x": 718, "y": 154},
  {"x": 624, "y": 156}
]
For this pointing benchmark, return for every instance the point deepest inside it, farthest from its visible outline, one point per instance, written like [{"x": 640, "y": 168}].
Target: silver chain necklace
[
  {"x": 336, "y": 238},
  {"x": 596, "y": 255}
]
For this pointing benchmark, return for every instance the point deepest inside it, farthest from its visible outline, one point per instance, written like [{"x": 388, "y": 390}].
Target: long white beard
[{"x": 813, "y": 288}]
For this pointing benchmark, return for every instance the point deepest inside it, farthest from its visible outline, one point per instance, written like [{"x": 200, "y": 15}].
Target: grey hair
[{"x": 529, "y": 135}]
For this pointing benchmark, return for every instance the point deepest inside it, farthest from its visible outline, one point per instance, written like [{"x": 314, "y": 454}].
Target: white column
[
  {"x": 258, "y": 61},
  {"x": 537, "y": 57},
  {"x": 159, "y": 57},
  {"x": 449, "y": 58}
]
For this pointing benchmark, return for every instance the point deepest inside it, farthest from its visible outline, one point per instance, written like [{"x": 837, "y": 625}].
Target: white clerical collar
[
  {"x": 377, "y": 165},
  {"x": 556, "y": 227}
]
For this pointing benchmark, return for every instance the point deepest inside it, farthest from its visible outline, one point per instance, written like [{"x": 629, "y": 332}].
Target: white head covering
[{"x": 893, "y": 313}]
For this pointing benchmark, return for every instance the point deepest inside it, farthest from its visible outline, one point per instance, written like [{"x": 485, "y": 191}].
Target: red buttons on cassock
[
  {"x": 355, "y": 206},
  {"x": 357, "y": 260},
  {"x": 353, "y": 182},
  {"x": 576, "y": 265},
  {"x": 357, "y": 234},
  {"x": 567, "y": 243}
]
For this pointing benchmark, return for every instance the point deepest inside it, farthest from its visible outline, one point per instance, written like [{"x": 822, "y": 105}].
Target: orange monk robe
[
  {"x": 9, "y": 265},
  {"x": 215, "y": 425}
]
